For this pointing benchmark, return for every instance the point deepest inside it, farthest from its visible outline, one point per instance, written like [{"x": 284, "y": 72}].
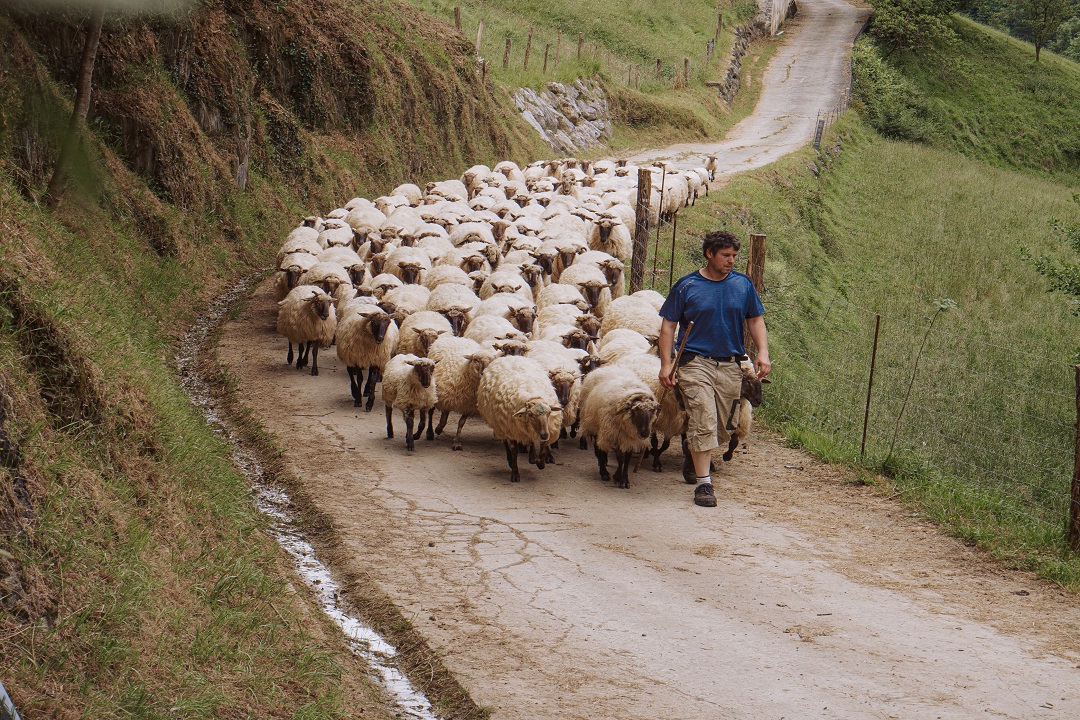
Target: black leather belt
[{"x": 688, "y": 356}]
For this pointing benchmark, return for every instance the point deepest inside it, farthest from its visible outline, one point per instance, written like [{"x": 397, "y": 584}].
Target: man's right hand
[{"x": 667, "y": 375}]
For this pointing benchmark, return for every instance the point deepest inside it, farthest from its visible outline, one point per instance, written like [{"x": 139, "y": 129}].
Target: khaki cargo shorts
[{"x": 710, "y": 391}]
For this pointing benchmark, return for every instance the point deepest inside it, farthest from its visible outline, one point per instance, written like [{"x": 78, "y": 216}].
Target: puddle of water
[{"x": 364, "y": 642}]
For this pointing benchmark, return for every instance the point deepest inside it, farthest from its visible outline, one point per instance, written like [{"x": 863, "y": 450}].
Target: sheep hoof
[
  {"x": 583, "y": 444},
  {"x": 456, "y": 446}
]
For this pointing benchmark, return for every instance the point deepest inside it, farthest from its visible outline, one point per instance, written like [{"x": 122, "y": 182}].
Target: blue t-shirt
[{"x": 718, "y": 309}]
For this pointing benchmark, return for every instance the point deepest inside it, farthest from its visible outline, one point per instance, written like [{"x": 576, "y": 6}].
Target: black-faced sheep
[
  {"x": 459, "y": 363},
  {"x": 367, "y": 337},
  {"x": 409, "y": 384},
  {"x": 617, "y": 413}
]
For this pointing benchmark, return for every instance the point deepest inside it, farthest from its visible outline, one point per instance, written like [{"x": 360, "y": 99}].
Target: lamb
[
  {"x": 409, "y": 384},
  {"x": 612, "y": 236},
  {"x": 517, "y": 401},
  {"x": 456, "y": 303},
  {"x": 712, "y": 164},
  {"x": 367, "y": 337},
  {"x": 408, "y": 263},
  {"x": 306, "y": 317},
  {"x": 459, "y": 363},
  {"x": 420, "y": 330},
  {"x": 633, "y": 313},
  {"x": 617, "y": 411}
]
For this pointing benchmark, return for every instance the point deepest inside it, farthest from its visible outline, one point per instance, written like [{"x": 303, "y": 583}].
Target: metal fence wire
[{"x": 992, "y": 428}]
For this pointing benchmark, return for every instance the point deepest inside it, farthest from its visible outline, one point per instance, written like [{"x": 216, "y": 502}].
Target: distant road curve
[{"x": 809, "y": 72}]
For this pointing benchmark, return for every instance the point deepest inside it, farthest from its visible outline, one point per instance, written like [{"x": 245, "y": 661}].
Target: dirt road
[
  {"x": 809, "y": 73},
  {"x": 562, "y": 597},
  {"x": 800, "y": 596}
]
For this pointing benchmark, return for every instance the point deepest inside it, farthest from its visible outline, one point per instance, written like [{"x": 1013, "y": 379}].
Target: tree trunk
[{"x": 78, "y": 115}]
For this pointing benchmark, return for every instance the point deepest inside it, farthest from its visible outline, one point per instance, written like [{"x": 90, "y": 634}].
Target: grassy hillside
[
  {"x": 137, "y": 579},
  {"x": 973, "y": 403},
  {"x": 983, "y": 96},
  {"x": 621, "y": 43}
]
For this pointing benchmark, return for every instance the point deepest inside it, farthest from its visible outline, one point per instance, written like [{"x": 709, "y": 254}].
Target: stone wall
[{"x": 568, "y": 117}]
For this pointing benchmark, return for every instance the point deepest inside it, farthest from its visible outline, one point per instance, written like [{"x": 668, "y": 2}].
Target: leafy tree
[
  {"x": 910, "y": 25},
  {"x": 1038, "y": 20}
]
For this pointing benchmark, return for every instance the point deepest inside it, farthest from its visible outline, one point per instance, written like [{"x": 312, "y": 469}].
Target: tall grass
[{"x": 984, "y": 442}]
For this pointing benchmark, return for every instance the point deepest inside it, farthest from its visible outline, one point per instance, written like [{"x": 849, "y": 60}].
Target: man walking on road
[{"x": 718, "y": 300}]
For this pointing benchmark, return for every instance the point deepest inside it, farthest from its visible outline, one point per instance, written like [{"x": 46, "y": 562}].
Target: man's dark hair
[{"x": 717, "y": 240}]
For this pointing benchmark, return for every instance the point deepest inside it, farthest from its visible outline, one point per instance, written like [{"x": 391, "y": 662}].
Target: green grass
[
  {"x": 984, "y": 444},
  {"x": 984, "y": 97}
]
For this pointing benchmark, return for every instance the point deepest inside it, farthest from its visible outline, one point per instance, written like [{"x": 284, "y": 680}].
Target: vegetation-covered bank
[{"x": 137, "y": 579}]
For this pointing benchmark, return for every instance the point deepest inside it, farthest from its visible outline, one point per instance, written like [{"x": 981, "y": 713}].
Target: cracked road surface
[
  {"x": 801, "y": 595},
  {"x": 807, "y": 75}
]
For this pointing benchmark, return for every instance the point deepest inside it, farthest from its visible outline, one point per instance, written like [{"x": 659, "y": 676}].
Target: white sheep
[
  {"x": 367, "y": 338},
  {"x": 401, "y": 302},
  {"x": 517, "y": 401},
  {"x": 410, "y": 192},
  {"x": 621, "y": 342},
  {"x": 290, "y": 268},
  {"x": 559, "y": 294},
  {"x": 420, "y": 329},
  {"x": 570, "y": 336},
  {"x": 712, "y": 164},
  {"x": 409, "y": 384},
  {"x": 617, "y": 413},
  {"x": 671, "y": 419},
  {"x": 612, "y": 236},
  {"x": 489, "y": 329},
  {"x": 447, "y": 275},
  {"x": 654, "y": 298},
  {"x": 565, "y": 373},
  {"x": 633, "y": 313},
  {"x": 331, "y": 277},
  {"x": 520, "y": 312},
  {"x": 300, "y": 240},
  {"x": 384, "y": 283},
  {"x": 459, "y": 363},
  {"x": 306, "y": 317},
  {"x": 591, "y": 282},
  {"x": 506, "y": 281}
]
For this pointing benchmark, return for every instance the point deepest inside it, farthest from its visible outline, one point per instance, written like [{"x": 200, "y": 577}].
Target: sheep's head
[
  {"x": 563, "y": 383},
  {"x": 310, "y": 221},
  {"x": 603, "y": 227},
  {"x": 389, "y": 232},
  {"x": 378, "y": 323},
  {"x": 591, "y": 290},
  {"x": 532, "y": 274},
  {"x": 292, "y": 275},
  {"x": 320, "y": 304},
  {"x": 408, "y": 240},
  {"x": 511, "y": 346},
  {"x": 576, "y": 339},
  {"x": 590, "y": 324},
  {"x": 588, "y": 363},
  {"x": 478, "y": 277},
  {"x": 426, "y": 337},
  {"x": 458, "y": 318},
  {"x": 523, "y": 318},
  {"x": 567, "y": 253},
  {"x": 640, "y": 408},
  {"x": 479, "y": 360},
  {"x": 612, "y": 269},
  {"x": 536, "y": 413},
  {"x": 356, "y": 273},
  {"x": 385, "y": 286},
  {"x": 545, "y": 259},
  {"x": 472, "y": 262},
  {"x": 377, "y": 261},
  {"x": 423, "y": 369},
  {"x": 364, "y": 291},
  {"x": 498, "y": 229},
  {"x": 410, "y": 272}
]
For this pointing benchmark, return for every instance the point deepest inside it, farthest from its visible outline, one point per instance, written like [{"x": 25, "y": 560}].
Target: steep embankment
[{"x": 135, "y": 575}]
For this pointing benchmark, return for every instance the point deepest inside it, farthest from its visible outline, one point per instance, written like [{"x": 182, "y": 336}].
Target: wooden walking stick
[{"x": 674, "y": 372}]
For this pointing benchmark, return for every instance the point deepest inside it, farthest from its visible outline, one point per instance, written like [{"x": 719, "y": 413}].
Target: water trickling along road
[{"x": 799, "y": 596}]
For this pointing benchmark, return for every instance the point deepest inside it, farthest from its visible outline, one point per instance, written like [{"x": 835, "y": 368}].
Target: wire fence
[{"x": 987, "y": 432}]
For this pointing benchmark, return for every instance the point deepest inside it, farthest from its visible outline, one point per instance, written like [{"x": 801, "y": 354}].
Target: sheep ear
[
  {"x": 521, "y": 412},
  {"x": 765, "y": 381},
  {"x": 556, "y": 408}
]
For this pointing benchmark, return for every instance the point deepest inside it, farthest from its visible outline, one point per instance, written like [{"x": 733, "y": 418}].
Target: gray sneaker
[{"x": 703, "y": 495}]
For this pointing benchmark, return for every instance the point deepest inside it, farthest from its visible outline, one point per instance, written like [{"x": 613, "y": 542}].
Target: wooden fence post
[
  {"x": 479, "y": 36},
  {"x": 483, "y": 70},
  {"x": 641, "y": 229},
  {"x": 686, "y": 71},
  {"x": 506, "y": 55},
  {"x": 457, "y": 18},
  {"x": 659, "y": 62},
  {"x": 719, "y": 19},
  {"x": 869, "y": 388},
  {"x": 671, "y": 267},
  {"x": 547, "y": 47},
  {"x": 580, "y": 41},
  {"x": 755, "y": 269},
  {"x": 1074, "y": 506},
  {"x": 528, "y": 48}
]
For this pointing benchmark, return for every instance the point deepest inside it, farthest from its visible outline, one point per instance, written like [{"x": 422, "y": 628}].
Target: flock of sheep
[{"x": 498, "y": 295}]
